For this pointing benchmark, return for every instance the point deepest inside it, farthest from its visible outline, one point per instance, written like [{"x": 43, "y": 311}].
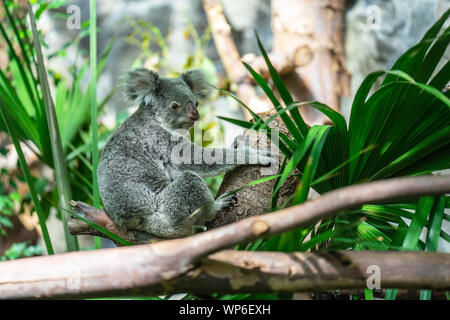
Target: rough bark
[{"x": 254, "y": 200}]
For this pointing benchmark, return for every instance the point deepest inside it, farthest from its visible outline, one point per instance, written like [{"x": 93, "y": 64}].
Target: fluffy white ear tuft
[
  {"x": 140, "y": 85},
  {"x": 197, "y": 82}
]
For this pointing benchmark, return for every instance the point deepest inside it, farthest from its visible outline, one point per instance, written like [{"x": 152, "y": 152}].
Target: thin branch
[
  {"x": 100, "y": 218},
  {"x": 230, "y": 57},
  {"x": 119, "y": 270}
]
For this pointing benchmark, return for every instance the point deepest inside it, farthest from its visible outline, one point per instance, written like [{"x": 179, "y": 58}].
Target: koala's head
[{"x": 172, "y": 101}]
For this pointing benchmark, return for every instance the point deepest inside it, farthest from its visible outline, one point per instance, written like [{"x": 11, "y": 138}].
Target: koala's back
[{"x": 130, "y": 161}]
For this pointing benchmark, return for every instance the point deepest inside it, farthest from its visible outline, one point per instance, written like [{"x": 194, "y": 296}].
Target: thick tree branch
[
  {"x": 114, "y": 271},
  {"x": 124, "y": 272},
  {"x": 240, "y": 271}
]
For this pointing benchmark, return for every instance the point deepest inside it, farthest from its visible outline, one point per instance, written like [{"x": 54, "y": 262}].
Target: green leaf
[
  {"x": 106, "y": 232},
  {"x": 412, "y": 58},
  {"x": 275, "y": 193},
  {"x": 368, "y": 294},
  {"x": 433, "y": 234},
  {"x": 284, "y": 93},
  {"x": 309, "y": 171},
  {"x": 296, "y": 133},
  {"x": 297, "y": 156},
  {"x": 418, "y": 222},
  {"x": 37, "y": 205},
  {"x": 62, "y": 178}
]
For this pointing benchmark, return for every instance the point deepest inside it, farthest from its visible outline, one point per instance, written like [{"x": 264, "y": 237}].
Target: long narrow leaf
[
  {"x": 433, "y": 234},
  {"x": 284, "y": 93},
  {"x": 62, "y": 178},
  {"x": 93, "y": 100},
  {"x": 23, "y": 164}
]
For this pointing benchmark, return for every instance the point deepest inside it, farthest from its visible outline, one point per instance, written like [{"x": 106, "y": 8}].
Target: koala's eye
[
  {"x": 174, "y": 105},
  {"x": 196, "y": 104}
]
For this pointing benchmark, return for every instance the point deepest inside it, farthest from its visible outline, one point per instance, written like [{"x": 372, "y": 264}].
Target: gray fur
[
  {"x": 142, "y": 187},
  {"x": 196, "y": 81}
]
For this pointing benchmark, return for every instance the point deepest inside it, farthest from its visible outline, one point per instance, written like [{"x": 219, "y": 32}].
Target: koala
[{"x": 143, "y": 184}]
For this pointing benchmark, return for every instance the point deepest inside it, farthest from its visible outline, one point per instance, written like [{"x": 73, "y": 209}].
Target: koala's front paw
[{"x": 225, "y": 201}]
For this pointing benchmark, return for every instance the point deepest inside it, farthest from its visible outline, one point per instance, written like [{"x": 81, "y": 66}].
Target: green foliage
[
  {"x": 93, "y": 107},
  {"x": 6, "y": 207},
  {"x": 59, "y": 161},
  {"x": 21, "y": 250},
  {"x": 399, "y": 129},
  {"x": 7, "y": 202},
  {"x": 34, "y": 119},
  {"x": 6, "y": 119}
]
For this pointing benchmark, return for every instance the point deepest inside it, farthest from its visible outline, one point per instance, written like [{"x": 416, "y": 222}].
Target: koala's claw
[{"x": 225, "y": 201}]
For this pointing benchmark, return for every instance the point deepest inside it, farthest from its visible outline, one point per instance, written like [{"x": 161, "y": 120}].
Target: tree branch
[
  {"x": 101, "y": 218},
  {"x": 290, "y": 218},
  {"x": 119, "y": 270},
  {"x": 124, "y": 272},
  {"x": 226, "y": 48},
  {"x": 230, "y": 57}
]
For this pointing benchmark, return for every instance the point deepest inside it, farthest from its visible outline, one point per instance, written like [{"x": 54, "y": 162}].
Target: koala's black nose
[{"x": 193, "y": 112}]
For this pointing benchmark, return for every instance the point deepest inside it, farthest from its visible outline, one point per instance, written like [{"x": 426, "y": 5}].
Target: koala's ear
[
  {"x": 197, "y": 82},
  {"x": 141, "y": 85}
]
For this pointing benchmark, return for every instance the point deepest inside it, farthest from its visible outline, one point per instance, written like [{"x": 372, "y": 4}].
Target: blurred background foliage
[{"x": 24, "y": 100}]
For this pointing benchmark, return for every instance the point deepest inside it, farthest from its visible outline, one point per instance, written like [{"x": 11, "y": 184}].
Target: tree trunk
[
  {"x": 311, "y": 32},
  {"x": 254, "y": 200},
  {"x": 308, "y": 52}
]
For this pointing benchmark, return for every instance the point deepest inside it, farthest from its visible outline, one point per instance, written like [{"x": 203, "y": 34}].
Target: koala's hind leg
[{"x": 183, "y": 204}]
